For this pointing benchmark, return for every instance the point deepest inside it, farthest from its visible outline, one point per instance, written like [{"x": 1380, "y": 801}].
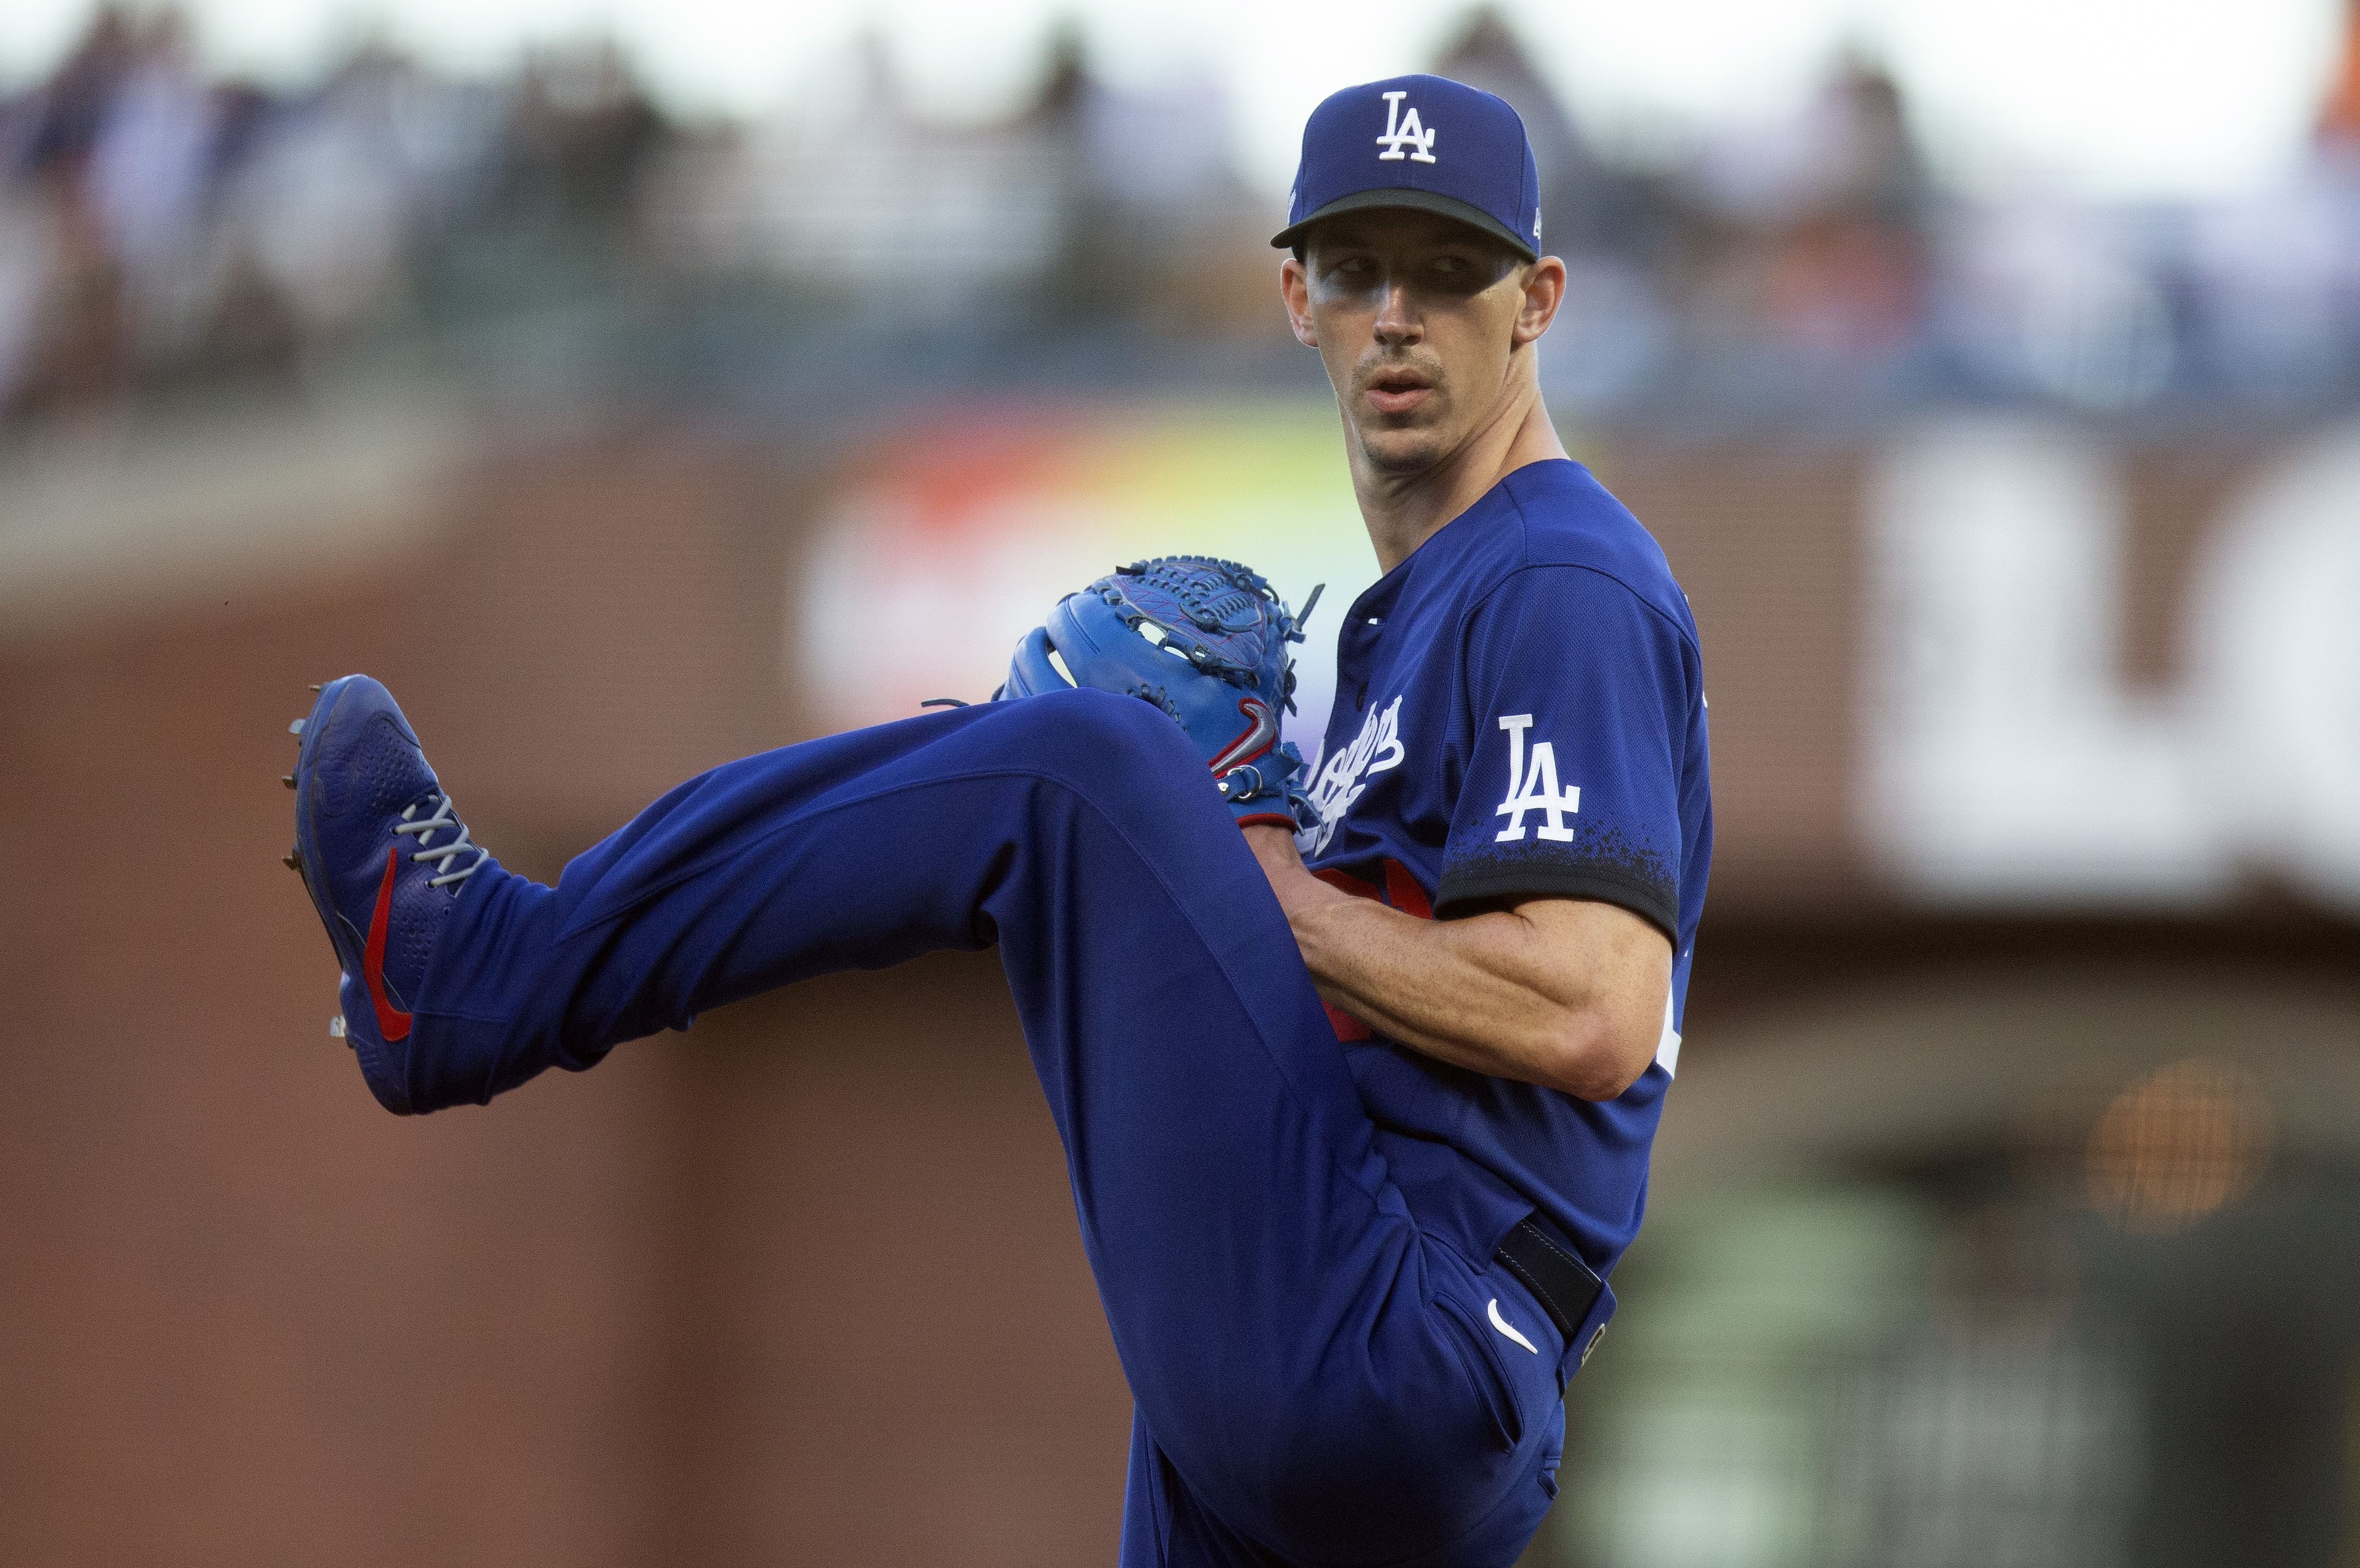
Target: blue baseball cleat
[{"x": 385, "y": 859}]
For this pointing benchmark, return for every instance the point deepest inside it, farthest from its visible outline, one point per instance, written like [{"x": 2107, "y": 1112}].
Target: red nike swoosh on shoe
[{"x": 391, "y": 1021}]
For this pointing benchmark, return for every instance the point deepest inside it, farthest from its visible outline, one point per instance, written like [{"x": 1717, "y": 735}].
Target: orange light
[{"x": 2178, "y": 1144}]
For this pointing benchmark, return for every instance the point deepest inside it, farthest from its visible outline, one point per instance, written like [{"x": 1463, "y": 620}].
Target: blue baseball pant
[{"x": 1315, "y": 1379}]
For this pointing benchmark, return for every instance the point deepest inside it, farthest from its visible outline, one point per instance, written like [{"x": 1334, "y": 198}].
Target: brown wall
[{"x": 802, "y": 1286}]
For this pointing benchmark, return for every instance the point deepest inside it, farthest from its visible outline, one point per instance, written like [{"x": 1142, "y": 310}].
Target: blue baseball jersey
[{"x": 1519, "y": 713}]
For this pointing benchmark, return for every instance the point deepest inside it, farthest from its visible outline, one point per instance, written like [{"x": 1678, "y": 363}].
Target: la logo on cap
[{"x": 1402, "y": 133}]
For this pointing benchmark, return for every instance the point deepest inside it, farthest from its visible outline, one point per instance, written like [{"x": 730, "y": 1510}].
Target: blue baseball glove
[{"x": 1206, "y": 641}]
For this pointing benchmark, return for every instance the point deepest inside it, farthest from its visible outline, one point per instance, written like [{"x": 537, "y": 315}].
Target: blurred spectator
[
  {"x": 2050, "y": 300},
  {"x": 2339, "y": 117},
  {"x": 2007, "y": 1434},
  {"x": 1085, "y": 206},
  {"x": 1151, "y": 209},
  {"x": 66, "y": 113},
  {"x": 1814, "y": 243},
  {"x": 922, "y": 216},
  {"x": 581, "y": 133},
  {"x": 150, "y": 160},
  {"x": 29, "y": 277},
  {"x": 157, "y": 227}
]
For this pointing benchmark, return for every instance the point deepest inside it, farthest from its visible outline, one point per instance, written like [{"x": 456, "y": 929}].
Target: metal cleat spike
[
  {"x": 291, "y": 860},
  {"x": 315, "y": 690},
  {"x": 336, "y": 1027},
  {"x": 288, "y": 779},
  {"x": 295, "y": 728}
]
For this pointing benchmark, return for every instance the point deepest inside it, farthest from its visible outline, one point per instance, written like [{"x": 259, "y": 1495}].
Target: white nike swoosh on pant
[{"x": 1509, "y": 1329}]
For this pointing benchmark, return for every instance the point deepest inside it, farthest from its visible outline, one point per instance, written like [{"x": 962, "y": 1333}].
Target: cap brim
[{"x": 1415, "y": 201}]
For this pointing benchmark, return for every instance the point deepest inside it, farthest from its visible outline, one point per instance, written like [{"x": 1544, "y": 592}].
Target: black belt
[{"x": 1555, "y": 1275}]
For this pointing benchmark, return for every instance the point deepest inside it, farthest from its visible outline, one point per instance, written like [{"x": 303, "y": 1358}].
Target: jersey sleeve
[{"x": 1578, "y": 693}]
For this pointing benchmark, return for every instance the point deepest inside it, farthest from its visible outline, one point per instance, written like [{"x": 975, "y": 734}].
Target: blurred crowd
[{"x": 162, "y": 230}]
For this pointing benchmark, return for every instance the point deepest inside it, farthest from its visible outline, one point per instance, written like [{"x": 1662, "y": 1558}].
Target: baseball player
[{"x": 1356, "y": 1068}]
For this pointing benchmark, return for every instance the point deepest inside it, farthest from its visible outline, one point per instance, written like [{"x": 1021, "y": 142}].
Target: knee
[{"x": 1095, "y": 730}]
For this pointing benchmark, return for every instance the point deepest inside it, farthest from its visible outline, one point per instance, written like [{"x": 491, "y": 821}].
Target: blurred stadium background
[{"x": 2007, "y": 1211}]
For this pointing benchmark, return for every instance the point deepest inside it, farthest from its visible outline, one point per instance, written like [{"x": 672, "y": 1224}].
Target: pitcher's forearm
[{"x": 1525, "y": 993}]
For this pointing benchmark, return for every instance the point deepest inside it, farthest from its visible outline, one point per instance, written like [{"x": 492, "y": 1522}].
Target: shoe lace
[{"x": 426, "y": 828}]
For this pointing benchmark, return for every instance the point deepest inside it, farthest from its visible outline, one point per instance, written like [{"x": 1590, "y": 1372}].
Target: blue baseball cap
[{"x": 1423, "y": 142}]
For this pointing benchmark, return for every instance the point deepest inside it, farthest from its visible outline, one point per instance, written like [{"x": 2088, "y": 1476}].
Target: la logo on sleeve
[{"x": 1533, "y": 787}]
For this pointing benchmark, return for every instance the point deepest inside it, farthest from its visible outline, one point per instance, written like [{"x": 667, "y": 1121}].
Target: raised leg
[{"x": 1271, "y": 1296}]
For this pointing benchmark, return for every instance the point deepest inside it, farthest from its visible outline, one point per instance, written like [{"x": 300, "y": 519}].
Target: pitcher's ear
[
  {"x": 1295, "y": 290},
  {"x": 1544, "y": 292}
]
